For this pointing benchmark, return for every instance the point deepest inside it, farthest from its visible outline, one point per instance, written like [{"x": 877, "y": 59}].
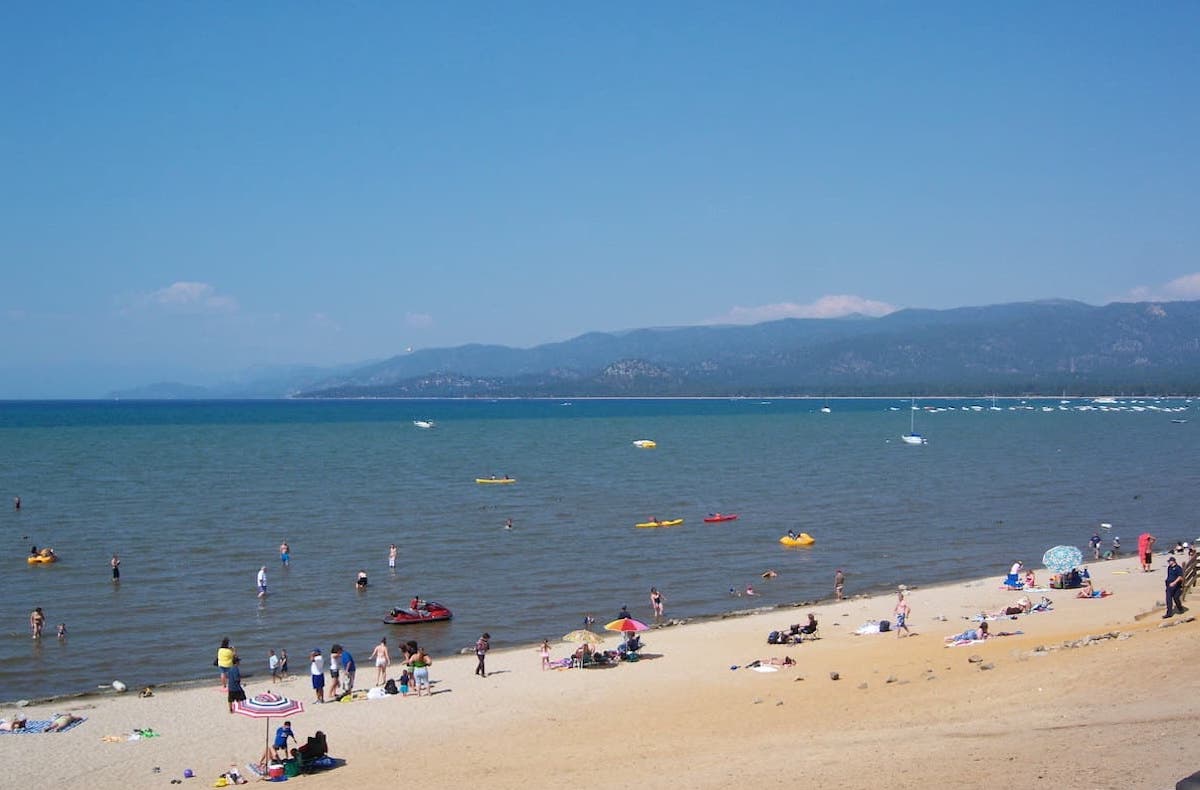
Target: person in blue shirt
[
  {"x": 1174, "y": 589},
  {"x": 281, "y": 738},
  {"x": 348, "y": 669},
  {"x": 1096, "y": 544}
]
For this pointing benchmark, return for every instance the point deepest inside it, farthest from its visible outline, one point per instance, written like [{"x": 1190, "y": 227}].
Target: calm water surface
[{"x": 196, "y": 496}]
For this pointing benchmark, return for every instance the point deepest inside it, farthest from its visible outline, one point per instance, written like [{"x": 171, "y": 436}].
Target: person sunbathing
[
  {"x": 1021, "y": 606},
  {"x": 62, "y": 721},
  {"x": 971, "y": 634},
  {"x": 786, "y": 661},
  {"x": 17, "y": 722},
  {"x": 1087, "y": 591}
]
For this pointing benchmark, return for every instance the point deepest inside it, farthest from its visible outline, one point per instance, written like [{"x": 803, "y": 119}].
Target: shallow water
[{"x": 196, "y": 496}]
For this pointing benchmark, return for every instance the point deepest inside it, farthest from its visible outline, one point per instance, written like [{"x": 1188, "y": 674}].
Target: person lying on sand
[
  {"x": 1087, "y": 591},
  {"x": 62, "y": 721},
  {"x": 971, "y": 634},
  {"x": 786, "y": 661},
  {"x": 17, "y": 722}
]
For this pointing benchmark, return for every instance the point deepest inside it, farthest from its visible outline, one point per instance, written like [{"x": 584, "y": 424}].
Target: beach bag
[
  {"x": 884, "y": 625},
  {"x": 390, "y": 687},
  {"x": 773, "y": 638}
]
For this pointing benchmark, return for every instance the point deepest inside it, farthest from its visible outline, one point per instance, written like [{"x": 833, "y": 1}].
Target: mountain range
[{"x": 1026, "y": 348}]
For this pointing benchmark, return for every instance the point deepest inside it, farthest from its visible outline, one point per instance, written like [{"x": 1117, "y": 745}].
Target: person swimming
[{"x": 361, "y": 581}]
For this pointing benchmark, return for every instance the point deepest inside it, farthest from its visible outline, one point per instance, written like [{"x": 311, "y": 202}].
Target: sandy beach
[{"x": 905, "y": 712}]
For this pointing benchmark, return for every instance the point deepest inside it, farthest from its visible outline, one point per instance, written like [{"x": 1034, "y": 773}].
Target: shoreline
[
  {"x": 916, "y": 708},
  {"x": 867, "y": 593}
]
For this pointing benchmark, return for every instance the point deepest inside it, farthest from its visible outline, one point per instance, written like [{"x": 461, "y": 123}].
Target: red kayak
[
  {"x": 713, "y": 518},
  {"x": 427, "y": 612}
]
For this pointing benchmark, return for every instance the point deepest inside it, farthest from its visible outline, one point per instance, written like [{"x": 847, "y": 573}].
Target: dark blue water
[{"x": 196, "y": 496}]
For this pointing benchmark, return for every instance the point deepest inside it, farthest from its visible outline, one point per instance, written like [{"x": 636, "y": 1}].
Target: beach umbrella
[
  {"x": 583, "y": 636},
  {"x": 1061, "y": 559},
  {"x": 266, "y": 705},
  {"x": 625, "y": 625}
]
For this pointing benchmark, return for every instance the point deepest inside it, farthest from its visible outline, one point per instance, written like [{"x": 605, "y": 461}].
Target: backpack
[
  {"x": 884, "y": 625},
  {"x": 390, "y": 687}
]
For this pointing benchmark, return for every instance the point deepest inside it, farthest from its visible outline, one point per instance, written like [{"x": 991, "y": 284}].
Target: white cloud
[
  {"x": 1180, "y": 289},
  {"x": 830, "y": 306},
  {"x": 191, "y": 297},
  {"x": 418, "y": 320}
]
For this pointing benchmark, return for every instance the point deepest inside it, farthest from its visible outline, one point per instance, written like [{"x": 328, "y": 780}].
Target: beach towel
[
  {"x": 761, "y": 668},
  {"x": 867, "y": 628},
  {"x": 39, "y": 725}
]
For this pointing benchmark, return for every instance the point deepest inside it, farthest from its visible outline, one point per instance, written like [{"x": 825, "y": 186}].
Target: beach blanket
[
  {"x": 40, "y": 725},
  {"x": 764, "y": 668}
]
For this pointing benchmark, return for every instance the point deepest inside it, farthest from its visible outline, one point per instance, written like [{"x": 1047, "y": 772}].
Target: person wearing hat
[
  {"x": 1174, "y": 589},
  {"x": 317, "y": 670}
]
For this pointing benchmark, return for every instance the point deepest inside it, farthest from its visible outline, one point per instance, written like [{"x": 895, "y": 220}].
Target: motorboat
[
  {"x": 645, "y": 444},
  {"x": 425, "y": 424}
]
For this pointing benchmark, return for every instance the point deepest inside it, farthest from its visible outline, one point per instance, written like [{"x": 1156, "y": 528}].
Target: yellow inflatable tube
[
  {"x": 803, "y": 539},
  {"x": 44, "y": 557}
]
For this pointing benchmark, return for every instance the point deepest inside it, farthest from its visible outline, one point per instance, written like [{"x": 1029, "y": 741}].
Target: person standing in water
[
  {"x": 37, "y": 621},
  {"x": 16, "y": 503},
  {"x": 656, "y": 602},
  {"x": 285, "y": 553},
  {"x": 392, "y": 556},
  {"x": 839, "y": 584},
  {"x": 262, "y": 581},
  {"x": 115, "y": 562}
]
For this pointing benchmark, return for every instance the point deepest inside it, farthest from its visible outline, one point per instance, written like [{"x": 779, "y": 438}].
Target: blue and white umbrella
[{"x": 1061, "y": 559}]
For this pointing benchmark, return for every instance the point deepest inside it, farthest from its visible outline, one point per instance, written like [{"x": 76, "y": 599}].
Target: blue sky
[{"x": 188, "y": 188}]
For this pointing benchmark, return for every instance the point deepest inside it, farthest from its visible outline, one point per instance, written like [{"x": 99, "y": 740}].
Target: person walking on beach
[
  {"x": 544, "y": 652},
  {"x": 235, "y": 691},
  {"x": 382, "y": 659},
  {"x": 1174, "y": 589},
  {"x": 115, "y": 562},
  {"x": 901, "y": 611},
  {"x": 285, "y": 553},
  {"x": 273, "y": 665},
  {"x": 482, "y": 645},
  {"x": 283, "y": 667},
  {"x": 839, "y": 584},
  {"x": 262, "y": 581},
  {"x": 392, "y": 556},
  {"x": 420, "y": 663},
  {"x": 656, "y": 602},
  {"x": 316, "y": 669},
  {"x": 1146, "y": 543},
  {"x": 37, "y": 621}
]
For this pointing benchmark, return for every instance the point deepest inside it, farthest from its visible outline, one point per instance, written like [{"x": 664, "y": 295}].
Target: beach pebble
[
  {"x": 862, "y": 685},
  {"x": 975, "y": 658},
  {"x": 986, "y": 666},
  {"x": 834, "y": 676},
  {"x": 891, "y": 679}
]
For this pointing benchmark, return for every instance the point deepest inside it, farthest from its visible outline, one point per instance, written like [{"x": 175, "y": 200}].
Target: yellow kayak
[
  {"x": 803, "y": 539},
  {"x": 495, "y": 481},
  {"x": 649, "y": 524}
]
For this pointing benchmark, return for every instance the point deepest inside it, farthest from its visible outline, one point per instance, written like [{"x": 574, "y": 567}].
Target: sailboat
[
  {"x": 825, "y": 409},
  {"x": 912, "y": 437}
]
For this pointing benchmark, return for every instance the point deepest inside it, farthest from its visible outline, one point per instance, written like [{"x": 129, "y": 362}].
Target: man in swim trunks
[
  {"x": 37, "y": 621},
  {"x": 348, "y": 669},
  {"x": 285, "y": 553},
  {"x": 115, "y": 562},
  {"x": 316, "y": 669},
  {"x": 901, "y": 611},
  {"x": 1146, "y": 543},
  {"x": 392, "y": 556},
  {"x": 281, "y": 738},
  {"x": 839, "y": 583}
]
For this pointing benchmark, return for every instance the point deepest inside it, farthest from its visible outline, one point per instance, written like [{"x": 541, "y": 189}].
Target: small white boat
[
  {"x": 645, "y": 444},
  {"x": 912, "y": 437},
  {"x": 426, "y": 424}
]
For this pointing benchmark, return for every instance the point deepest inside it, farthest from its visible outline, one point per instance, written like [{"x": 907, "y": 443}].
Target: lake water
[{"x": 196, "y": 496}]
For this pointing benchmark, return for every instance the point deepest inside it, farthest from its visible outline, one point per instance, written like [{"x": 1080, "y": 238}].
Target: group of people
[
  {"x": 342, "y": 669},
  {"x": 1097, "y": 544}
]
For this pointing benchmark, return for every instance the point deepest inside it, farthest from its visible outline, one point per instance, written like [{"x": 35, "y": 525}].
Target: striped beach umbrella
[{"x": 268, "y": 705}]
